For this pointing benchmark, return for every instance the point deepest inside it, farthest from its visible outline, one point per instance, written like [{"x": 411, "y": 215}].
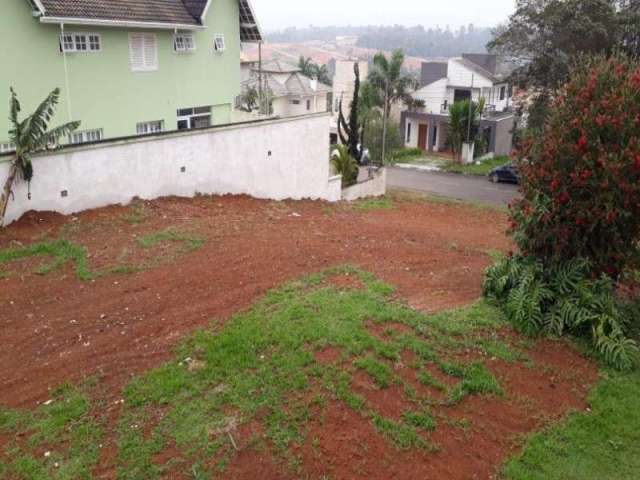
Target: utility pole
[
  {"x": 469, "y": 113},
  {"x": 260, "y": 102},
  {"x": 384, "y": 122}
]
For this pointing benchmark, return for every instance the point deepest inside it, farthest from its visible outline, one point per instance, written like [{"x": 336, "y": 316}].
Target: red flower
[{"x": 583, "y": 142}]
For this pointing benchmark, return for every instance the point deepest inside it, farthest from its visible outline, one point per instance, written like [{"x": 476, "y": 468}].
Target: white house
[
  {"x": 292, "y": 94},
  {"x": 444, "y": 83}
]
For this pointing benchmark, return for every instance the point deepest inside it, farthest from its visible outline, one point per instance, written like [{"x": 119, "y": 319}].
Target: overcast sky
[{"x": 277, "y": 14}]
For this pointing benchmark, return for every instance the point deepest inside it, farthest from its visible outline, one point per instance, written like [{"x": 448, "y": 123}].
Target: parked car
[{"x": 506, "y": 173}]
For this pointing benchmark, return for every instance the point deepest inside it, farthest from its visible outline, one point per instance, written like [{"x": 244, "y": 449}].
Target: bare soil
[{"x": 56, "y": 328}]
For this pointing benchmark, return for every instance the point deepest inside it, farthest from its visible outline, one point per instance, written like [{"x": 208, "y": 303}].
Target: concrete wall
[
  {"x": 504, "y": 136},
  {"x": 433, "y": 95},
  {"x": 374, "y": 187},
  {"x": 284, "y": 107},
  {"x": 275, "y": 159}
]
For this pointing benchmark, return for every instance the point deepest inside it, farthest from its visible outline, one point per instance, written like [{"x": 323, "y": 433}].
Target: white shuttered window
[{"x": 143, "y": 52}]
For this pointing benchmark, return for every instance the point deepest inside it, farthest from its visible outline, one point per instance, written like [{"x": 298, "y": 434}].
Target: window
[
  {"x": 80, "y": 42},
  {"x": 196, "y": 117},
  {"x": 6, "y": 147},
  {"x": 184, "y": 42},
  {"x": 144, "y": 128},
  {"x": 218, "y": 42},
  {"x": 308, "y": 105},
  {"x": 143, "y": 52},
  {"x": 295, "y": 102},
  {"x": 408, "y": 132},
  {"x": 503, "y": 93},
  {"x": 85, "y": 136}
]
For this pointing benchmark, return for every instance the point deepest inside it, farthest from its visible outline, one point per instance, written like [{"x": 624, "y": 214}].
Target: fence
[{"x": 274, "y": 159}]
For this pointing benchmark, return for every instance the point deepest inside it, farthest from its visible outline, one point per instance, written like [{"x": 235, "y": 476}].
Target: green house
[{"x": 125, "y": 68}]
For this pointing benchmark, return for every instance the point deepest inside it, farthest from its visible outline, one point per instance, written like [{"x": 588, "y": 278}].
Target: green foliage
[
  {"x": 344, "y": 164},
  {"x": 464, "y": 123},
  {"x": 380, "y": 372},
  {"x": 562, "y": 299},
  {"x": 30, "y": 136},
  {"x": 482, "y": 168},
  {"x": 373, "y": 204},
  {"x": 374, "y": 134},
  {"x": 349, "y": 132},
  {"x": 602, "y": 443},
  {"x": 388, "y": 77}
]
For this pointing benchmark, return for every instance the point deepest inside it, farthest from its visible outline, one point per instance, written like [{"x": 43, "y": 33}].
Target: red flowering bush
[
  {"x": 581, "y": 175},
  {"x": 578, "y": 223}
]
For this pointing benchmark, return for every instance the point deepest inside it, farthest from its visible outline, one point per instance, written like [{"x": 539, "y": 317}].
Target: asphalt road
[{"x": 452, "y": 185}]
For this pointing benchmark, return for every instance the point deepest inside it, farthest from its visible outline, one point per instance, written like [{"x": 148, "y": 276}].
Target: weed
[
  {"x": 421, "y": 420},
  {"x": 380, "y": 372}
]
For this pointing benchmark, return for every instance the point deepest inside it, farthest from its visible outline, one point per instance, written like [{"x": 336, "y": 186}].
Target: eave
[{"x": 118, "y": 23}]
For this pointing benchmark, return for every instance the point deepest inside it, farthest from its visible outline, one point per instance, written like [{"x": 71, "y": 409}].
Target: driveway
[{"x": 452, "y": 185}]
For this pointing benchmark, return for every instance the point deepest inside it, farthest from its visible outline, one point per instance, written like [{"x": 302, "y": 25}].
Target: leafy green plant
[
  {"x": 562, "y": 299},
  {"x": 30, "y": 136},
  {"x": 344, "y": 164}
]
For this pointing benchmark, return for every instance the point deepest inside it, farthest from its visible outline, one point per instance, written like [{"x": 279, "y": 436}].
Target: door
[
  {"x": 434, "y": 139},
  {"x": 423, "y": 131}
]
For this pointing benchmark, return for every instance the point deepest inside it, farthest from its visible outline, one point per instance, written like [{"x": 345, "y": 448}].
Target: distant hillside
[{"x": 415, "y": 41}]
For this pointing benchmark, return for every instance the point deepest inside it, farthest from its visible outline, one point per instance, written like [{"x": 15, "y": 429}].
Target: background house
[
  {"x": 125, "y": 68},
  {"x": 291, "y": 93},
  {"x": 443, "y": 83}
]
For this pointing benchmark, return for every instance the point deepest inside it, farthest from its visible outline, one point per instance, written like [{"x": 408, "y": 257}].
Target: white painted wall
[
  {"x": 224, "y": 160},
  {"x": 460, "y": 76},
  {"x": 373, "y": 187},
  {"x": 433, "y": 95},
  {"x": 284, "y": 106}
]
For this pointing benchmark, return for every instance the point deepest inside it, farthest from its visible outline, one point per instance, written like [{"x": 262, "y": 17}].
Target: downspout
[{"x": 66, "y": 73}]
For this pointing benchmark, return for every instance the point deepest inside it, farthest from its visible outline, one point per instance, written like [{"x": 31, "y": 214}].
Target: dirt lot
[{"x": 56, "y": 328}]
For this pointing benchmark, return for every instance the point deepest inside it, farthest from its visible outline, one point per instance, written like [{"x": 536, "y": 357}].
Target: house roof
[
  {"x": 278, "y": 66},
  {"x": 432, "y": 72},
  {"x": 143, "y": 13},
  {"x": 297, "y": 85}
]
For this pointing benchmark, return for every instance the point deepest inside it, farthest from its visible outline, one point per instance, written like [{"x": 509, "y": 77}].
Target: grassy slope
[
  {"x": 482, "y": 169},
  {"x": 604, "y": 444}
]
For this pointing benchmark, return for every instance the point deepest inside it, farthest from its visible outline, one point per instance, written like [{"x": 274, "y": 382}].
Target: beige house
[{"x": 291, "y": 93}]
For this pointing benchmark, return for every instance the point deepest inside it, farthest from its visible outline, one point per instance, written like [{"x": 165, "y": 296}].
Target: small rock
[
  {"x": 47, "y": 454},
  {"x": 103, "y": 316},
  {"x": 294, "y": 214},
  {"x": 48, "y": 402}
]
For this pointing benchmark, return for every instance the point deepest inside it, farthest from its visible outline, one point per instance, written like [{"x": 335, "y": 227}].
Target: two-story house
[
  {"x": 472, "y": 76},
  {"x": 291, "y": 93},
  {"x": 125, "y": 67}
]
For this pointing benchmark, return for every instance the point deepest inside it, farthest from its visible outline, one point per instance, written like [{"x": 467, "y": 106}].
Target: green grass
[
  {"x": 58, "y": 441},
  {"x": 373, "y": 204},
  {"x": 262, "y": 363},
  {"x": 602, "y": 444},
  {"x": 480, "y": 169},
  {"x": 190, "y": 242},
  {"x": 476, "y": 380},
  {"x": 62, "y": 252}
]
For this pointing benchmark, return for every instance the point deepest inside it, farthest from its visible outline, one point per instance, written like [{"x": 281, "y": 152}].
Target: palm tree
[
  {"x": 30, "y": 136},
  {"x": 388, "y": 77},
  {"x": 344, "y": 164},
  {"x": 306, "y": 66},
  {"x": 464, "y": 124}
]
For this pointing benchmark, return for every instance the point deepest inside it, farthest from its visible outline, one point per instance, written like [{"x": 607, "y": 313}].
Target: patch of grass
[
  {"x": 482, "y": 168},
  {"x": 380, "y": 372},
  {"x": 64, "y": 429},
  {"x": 62, "y": 252},
  {"x": 415, "y": 196},
  {"x": 604, "y": 443},
  {"x": 262, "y": 364},
  {"x": 373, "y": 204},
  {"x": 136, "y": 215},
  {"x": 421, "y": 420},
  {"x": 428, "y": 380},
  {"x": 501, "y": 350},
  {"x": 190, "y": 242},
  {"x": 476, "y": 380}
]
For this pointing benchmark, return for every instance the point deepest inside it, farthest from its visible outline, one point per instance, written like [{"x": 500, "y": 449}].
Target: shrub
[
  {"x": 581, "y": 174},
  {"x": 344, "y": 164},
  {"x": 564, "y": 299},
  {"x": 373, "y": 140}
]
